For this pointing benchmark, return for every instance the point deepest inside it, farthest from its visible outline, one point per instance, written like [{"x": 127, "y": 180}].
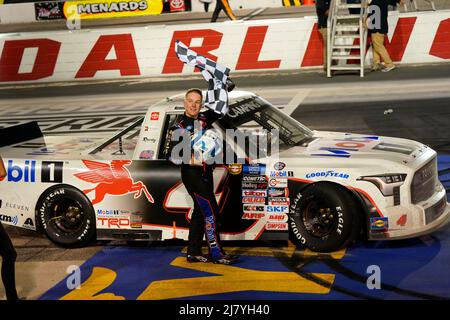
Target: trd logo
[
  {"x": 114, "y": 222},
  {"x": 25, "y": 173}
]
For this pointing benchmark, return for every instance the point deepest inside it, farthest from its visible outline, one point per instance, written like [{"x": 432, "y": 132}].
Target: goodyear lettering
[
  {"x": 296, "y": 232},
  {"x": 326, "y": 174}
]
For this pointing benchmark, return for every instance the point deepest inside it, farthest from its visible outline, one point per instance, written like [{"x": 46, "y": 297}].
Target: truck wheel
[
  {"x": 324, "y": 217},
  {"x": 66, "y": 216}
]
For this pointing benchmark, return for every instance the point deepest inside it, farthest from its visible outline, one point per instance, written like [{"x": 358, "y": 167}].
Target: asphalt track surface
[{"x": 411, "y": 102}]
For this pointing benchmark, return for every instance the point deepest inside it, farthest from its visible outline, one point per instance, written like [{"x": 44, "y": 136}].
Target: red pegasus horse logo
[{"x": 112, "y": 179}]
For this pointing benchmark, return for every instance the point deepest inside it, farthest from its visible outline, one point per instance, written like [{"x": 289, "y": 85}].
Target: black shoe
[
  {"x": 199, "y": 258},
  {"x": 230, "y": 85},
  {"x": 226, "y": 259}
]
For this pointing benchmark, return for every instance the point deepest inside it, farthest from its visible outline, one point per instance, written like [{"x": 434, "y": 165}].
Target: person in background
[
  {"x": 322, "y": 7},
  {"x": 378, "y": 28},
  {"x": 225, "y": 6},
  {"x": 8, "y": 255},
  {"x": 206, "y": 4}
]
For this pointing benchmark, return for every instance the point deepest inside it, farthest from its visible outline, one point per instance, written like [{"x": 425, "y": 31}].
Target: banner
[
  {"x": 48, "y": 10},
  {"x": 111, "y": 8}
]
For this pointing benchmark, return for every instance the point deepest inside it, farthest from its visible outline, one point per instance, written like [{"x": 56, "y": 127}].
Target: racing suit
[{"x": 198, "y": 181}]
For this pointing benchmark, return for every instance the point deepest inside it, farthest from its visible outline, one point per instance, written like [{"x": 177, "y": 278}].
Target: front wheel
[
  {"x": 66, "y": 216},
  {"x": 324, "y": 217}
]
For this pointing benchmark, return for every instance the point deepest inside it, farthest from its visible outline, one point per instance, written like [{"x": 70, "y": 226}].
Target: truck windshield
[{"x": 255, "y": 114}]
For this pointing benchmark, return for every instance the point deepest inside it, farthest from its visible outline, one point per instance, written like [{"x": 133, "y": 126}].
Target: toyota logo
[{"x": 177, "y": 4}]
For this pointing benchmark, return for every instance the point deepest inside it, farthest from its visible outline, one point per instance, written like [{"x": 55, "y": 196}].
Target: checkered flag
[{"x": 214, "y": 73}]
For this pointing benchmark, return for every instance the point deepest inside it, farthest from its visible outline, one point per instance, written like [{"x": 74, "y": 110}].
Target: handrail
[{"x": 332, "y": 24}]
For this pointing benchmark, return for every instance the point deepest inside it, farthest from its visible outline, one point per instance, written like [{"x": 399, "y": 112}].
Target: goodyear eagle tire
[
  {"x": 66, "y": 216},
  {"x": 324, "y": 217}
]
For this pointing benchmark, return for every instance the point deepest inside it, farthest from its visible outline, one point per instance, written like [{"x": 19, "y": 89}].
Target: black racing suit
[
  {"x": 198, "y": 181},
  {"x": 8, "y": 255}
]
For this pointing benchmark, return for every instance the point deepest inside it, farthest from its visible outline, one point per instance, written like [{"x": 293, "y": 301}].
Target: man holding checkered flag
[{"x": 196, "y": 170}]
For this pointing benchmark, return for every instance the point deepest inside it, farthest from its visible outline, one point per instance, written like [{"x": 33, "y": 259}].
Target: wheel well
[
  {"x": 42, "y": 196},
  {"x": 354, "y": 194}
]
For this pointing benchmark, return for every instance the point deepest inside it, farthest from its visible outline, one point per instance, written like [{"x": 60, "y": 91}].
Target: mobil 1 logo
[{"x": 52, "y": 171}]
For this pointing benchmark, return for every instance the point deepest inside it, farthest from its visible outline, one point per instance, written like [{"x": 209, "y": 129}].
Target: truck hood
[{"x": 356, "y": 147}]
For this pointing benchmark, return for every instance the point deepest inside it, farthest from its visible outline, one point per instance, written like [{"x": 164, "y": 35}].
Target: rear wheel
[
  {"x": 66, "y": 216},
  {"x": 325, "y": 217}
]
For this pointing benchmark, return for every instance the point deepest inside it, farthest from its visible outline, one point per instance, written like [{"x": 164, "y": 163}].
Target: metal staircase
[{"x": 347, "y": 37}]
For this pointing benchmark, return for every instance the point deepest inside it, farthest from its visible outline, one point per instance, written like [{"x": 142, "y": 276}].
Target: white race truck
[{"x": 322, "y": 189}]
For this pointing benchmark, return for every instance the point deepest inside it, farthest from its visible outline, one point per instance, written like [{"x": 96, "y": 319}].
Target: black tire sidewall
[
  {"x": 348, "y": 221},
  {"x": 44, "y": 208}
]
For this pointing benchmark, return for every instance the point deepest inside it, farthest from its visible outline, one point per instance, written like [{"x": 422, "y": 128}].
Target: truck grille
[{"x": 423, "y": 183}]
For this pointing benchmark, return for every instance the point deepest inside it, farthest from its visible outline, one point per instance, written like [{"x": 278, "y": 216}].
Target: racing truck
[{"x": 323, "y": 190}]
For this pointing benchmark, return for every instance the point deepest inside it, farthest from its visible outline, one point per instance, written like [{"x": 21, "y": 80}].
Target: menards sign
[{"x": 111, "y": 8}]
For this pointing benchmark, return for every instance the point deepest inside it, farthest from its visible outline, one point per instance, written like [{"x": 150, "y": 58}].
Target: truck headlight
[{"x": 388, "y": 184}]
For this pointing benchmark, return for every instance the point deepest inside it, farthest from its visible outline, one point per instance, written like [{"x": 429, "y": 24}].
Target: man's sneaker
[
  {"x": 226, "y": 259},
  {"x": 199, "y": 258},
  {"x": 387, "y": 69}
]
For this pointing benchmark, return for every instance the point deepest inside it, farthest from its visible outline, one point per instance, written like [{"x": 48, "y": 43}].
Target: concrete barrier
[{"x": 279, "y": 44}]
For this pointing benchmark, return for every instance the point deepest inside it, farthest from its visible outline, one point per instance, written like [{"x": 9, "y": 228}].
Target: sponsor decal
[
  {"x": 9, "y": 219},
  {"x": 279, "y": 166},
  {"x": 101, "y": 212},
  {"x": 108, "y": 222},
  {"x": 402, "y": 220},
  {"x": 253, "y": 215},
  {"x": 136, "y": 220},
  {"x": 277, "y": 209},
  {"x": 28, "y": 224},
  {"x": 276, "y": 226},
  {"x": 254, "y": 208},
  {"x": 48, "y": 10},
  {"x": 113, "y": 179},
  {"x": 52, "y": 172},
  {"x": 21, "y": 173},
  {"x": 277, "y": 217},
  {"x": 14, "y": 206},
  {"x": 235, "y": 168},
  {"x": 281, "y": 201},
  {"x": 343, "y": 148},
  {"x": 278, "y": 183},
  {"x": 328, "y": 174},
  {"x": 154, "y": 116},
  {"x": 253, "y": 200},
  {"x": 380, "y": 224},
  {"x": 255, "y": 169},
  {"x": 110, "y": 8},
  {"x": 147, "y": 154},
  {"x": 254, "y": 193},
  {"x": 249, "y": 185},
  {"x": 281, "y": 174},
  {"x": 177, "y": 5},
  {"x": 151, "y": 140},
  {"x": 256, "y": 179},
  {"x": 274, "y": 192}
]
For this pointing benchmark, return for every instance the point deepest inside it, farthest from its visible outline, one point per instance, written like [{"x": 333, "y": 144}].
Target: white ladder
[{"x": 343, "y": 29}]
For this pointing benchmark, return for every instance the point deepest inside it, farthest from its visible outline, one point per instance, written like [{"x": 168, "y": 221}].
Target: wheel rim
[
  {"x": 68, "y": 216},
  {"x": 319, "y": 218}
]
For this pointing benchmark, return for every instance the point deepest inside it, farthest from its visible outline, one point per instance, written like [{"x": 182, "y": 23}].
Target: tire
[
  {"x": 324, "y": 217},
  {"x": 67, "y": 217}
]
